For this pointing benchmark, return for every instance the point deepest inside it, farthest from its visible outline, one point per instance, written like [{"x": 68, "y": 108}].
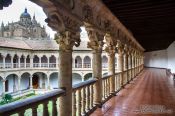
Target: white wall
[
  {"x": 171, "y": 57},
  {"x": 162, "y": 58},
  {"x": 156, "y": 59}
]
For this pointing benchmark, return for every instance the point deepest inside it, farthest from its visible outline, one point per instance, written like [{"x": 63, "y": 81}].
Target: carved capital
[
  {"x": 111, "y": 45},
  {"x": 96, "y": 40},
  {"x": 67, "y": 40},
  {"x": 120, "y": 47}
]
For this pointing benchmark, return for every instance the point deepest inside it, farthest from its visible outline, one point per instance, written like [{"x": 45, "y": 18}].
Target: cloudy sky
[{"x": 13, "y": 12}]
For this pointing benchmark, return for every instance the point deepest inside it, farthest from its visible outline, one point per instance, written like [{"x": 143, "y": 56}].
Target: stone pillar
[
  {"x": 66, "y": 41},
  {"x": 131, "y": 66},
  {"x": 126, "y": 65},
  {"x": 48, "y": 62},
  {"x": 19, "y": 62},
  {"x": 19, "y": 83},
  {"x": 48, "y": 82},
  {"x": 31, "y": 62},
  {"x": 40, "y": 62},
  {"x": 25, "y": 61},
  {"x": 111, "y": 71},
  {"x": 3, "y": 61},
  {"x": 11, "y": 62},
  {"x": 111, "y": 49},
  {"x": 31, "y": 83},
  {"x": 96, "y": 44},
  {"x": 120, "y": 64},
  {"x": 3, "y": 86}
]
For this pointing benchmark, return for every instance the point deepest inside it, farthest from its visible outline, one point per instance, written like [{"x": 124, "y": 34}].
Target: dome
[{"x": 25, "y": 14}]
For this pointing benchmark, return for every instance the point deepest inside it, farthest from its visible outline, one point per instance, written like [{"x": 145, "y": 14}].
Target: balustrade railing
[
  {"x": 78, "y": 65},
  {"x": 44, "y": 65},
  {"x": 83, "y": 98},
  {"x": 118, "y": 80},
  {"x": 87, "y": 65},
  {"x": 27, "y": 65},
  {"x": 22, "y": 65},
  {"x": 20, "y": 107},
  {"x": 52, "y": 65},
  {"x": 15, "y": 65},
  {"x": 106, "y": 87},
  {"x": 36, "y": 65},
  {"x": 1, "y": 65}
]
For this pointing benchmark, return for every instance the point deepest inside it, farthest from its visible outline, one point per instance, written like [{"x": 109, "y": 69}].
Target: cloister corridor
[{"x": 152, "y": 90}]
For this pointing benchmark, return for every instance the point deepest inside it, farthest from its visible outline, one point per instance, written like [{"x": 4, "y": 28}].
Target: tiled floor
[{"x": 152, "y": 93}]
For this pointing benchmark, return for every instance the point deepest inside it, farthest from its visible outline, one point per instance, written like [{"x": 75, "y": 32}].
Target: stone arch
[
  {"x": 76, "y": 78},
  {"x": 25, "y": 81},
  {"x": 8, "y": 61},
  {"x": 78, "y": 62},
  {"x": 44, "y": 61},
  {"x": 104, "y": 61},
  {"x": 88, "y": 76},
  {"x": 35, "y": 61},
  {"x": 15, "y": 61},
  {"x": 28, "y": 61},
  {"x": 54, "y": 80},
  {"x": 11, "y": 82},
  {"x": 52, "y": 61},
  {"x": 39, "y": 80},
  {"x": 87, "y": 62}
]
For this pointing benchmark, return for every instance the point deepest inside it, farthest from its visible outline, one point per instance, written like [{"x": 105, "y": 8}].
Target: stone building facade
[{"x": 26, "y": 27}]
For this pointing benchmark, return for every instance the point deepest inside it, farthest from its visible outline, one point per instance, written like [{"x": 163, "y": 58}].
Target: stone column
[
  {"x": 48, "y": 62},
  {"x": 25, "y": 61},
  {"x": 111, "y": 49},
  {"x": 111, "y": 71},
  {"x": 31, "y": 61},
  {"x": 31, "y": 83},
  {"x": 48, "y": 82},
  {"x": 126, "y": 65},
  {"x": 40, "y": 62},
  {"x": 3, "y": 61},
  {"x": 96, "y": 44},
  {"x": 19, "y": 83},
  {"x": 131, "y": 66},
  {"x": 3, "y": 86},
  {"x": 120, "y": 64},
  {"x": 66, "y": 41},
  {"x": 19, "y": 62},
  {"x": 11, "y": 62}
]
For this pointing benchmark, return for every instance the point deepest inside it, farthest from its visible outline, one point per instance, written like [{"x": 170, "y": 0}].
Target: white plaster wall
[
  {"x": 171, "y": 57},
  {"x": 54, "y": 81},
  {"x": 156, "y": 59}
]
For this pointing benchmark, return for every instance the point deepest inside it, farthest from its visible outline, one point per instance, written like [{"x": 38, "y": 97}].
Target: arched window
[{"x": 87, "y": 62}]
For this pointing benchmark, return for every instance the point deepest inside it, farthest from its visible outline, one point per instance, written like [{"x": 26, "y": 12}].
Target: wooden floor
[{"x": 151, "y": 93}]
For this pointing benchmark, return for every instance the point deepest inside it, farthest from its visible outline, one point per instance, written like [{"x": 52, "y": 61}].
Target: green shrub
[{"x": 6, "y": 98}]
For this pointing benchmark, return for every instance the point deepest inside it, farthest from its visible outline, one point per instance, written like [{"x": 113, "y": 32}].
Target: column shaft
[
  {"x": 65, "y": 67},
  {"x": 97, "y": 71},
  {"x": 111, "y": 71}
]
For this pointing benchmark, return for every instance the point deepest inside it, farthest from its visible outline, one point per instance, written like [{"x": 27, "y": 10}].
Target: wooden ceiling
[{"x": 152, "y": 22}]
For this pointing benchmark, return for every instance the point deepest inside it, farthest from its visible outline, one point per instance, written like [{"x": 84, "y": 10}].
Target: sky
[{"x": 13, "y": 12}]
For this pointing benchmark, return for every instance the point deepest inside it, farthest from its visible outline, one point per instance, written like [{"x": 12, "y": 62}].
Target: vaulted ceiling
[{"x": 152, "y": 22}]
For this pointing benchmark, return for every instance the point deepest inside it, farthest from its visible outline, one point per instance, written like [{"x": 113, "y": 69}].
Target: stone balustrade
[
  {"x": 83, "y": 98},
  {"x": 20, "y": 107}
]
